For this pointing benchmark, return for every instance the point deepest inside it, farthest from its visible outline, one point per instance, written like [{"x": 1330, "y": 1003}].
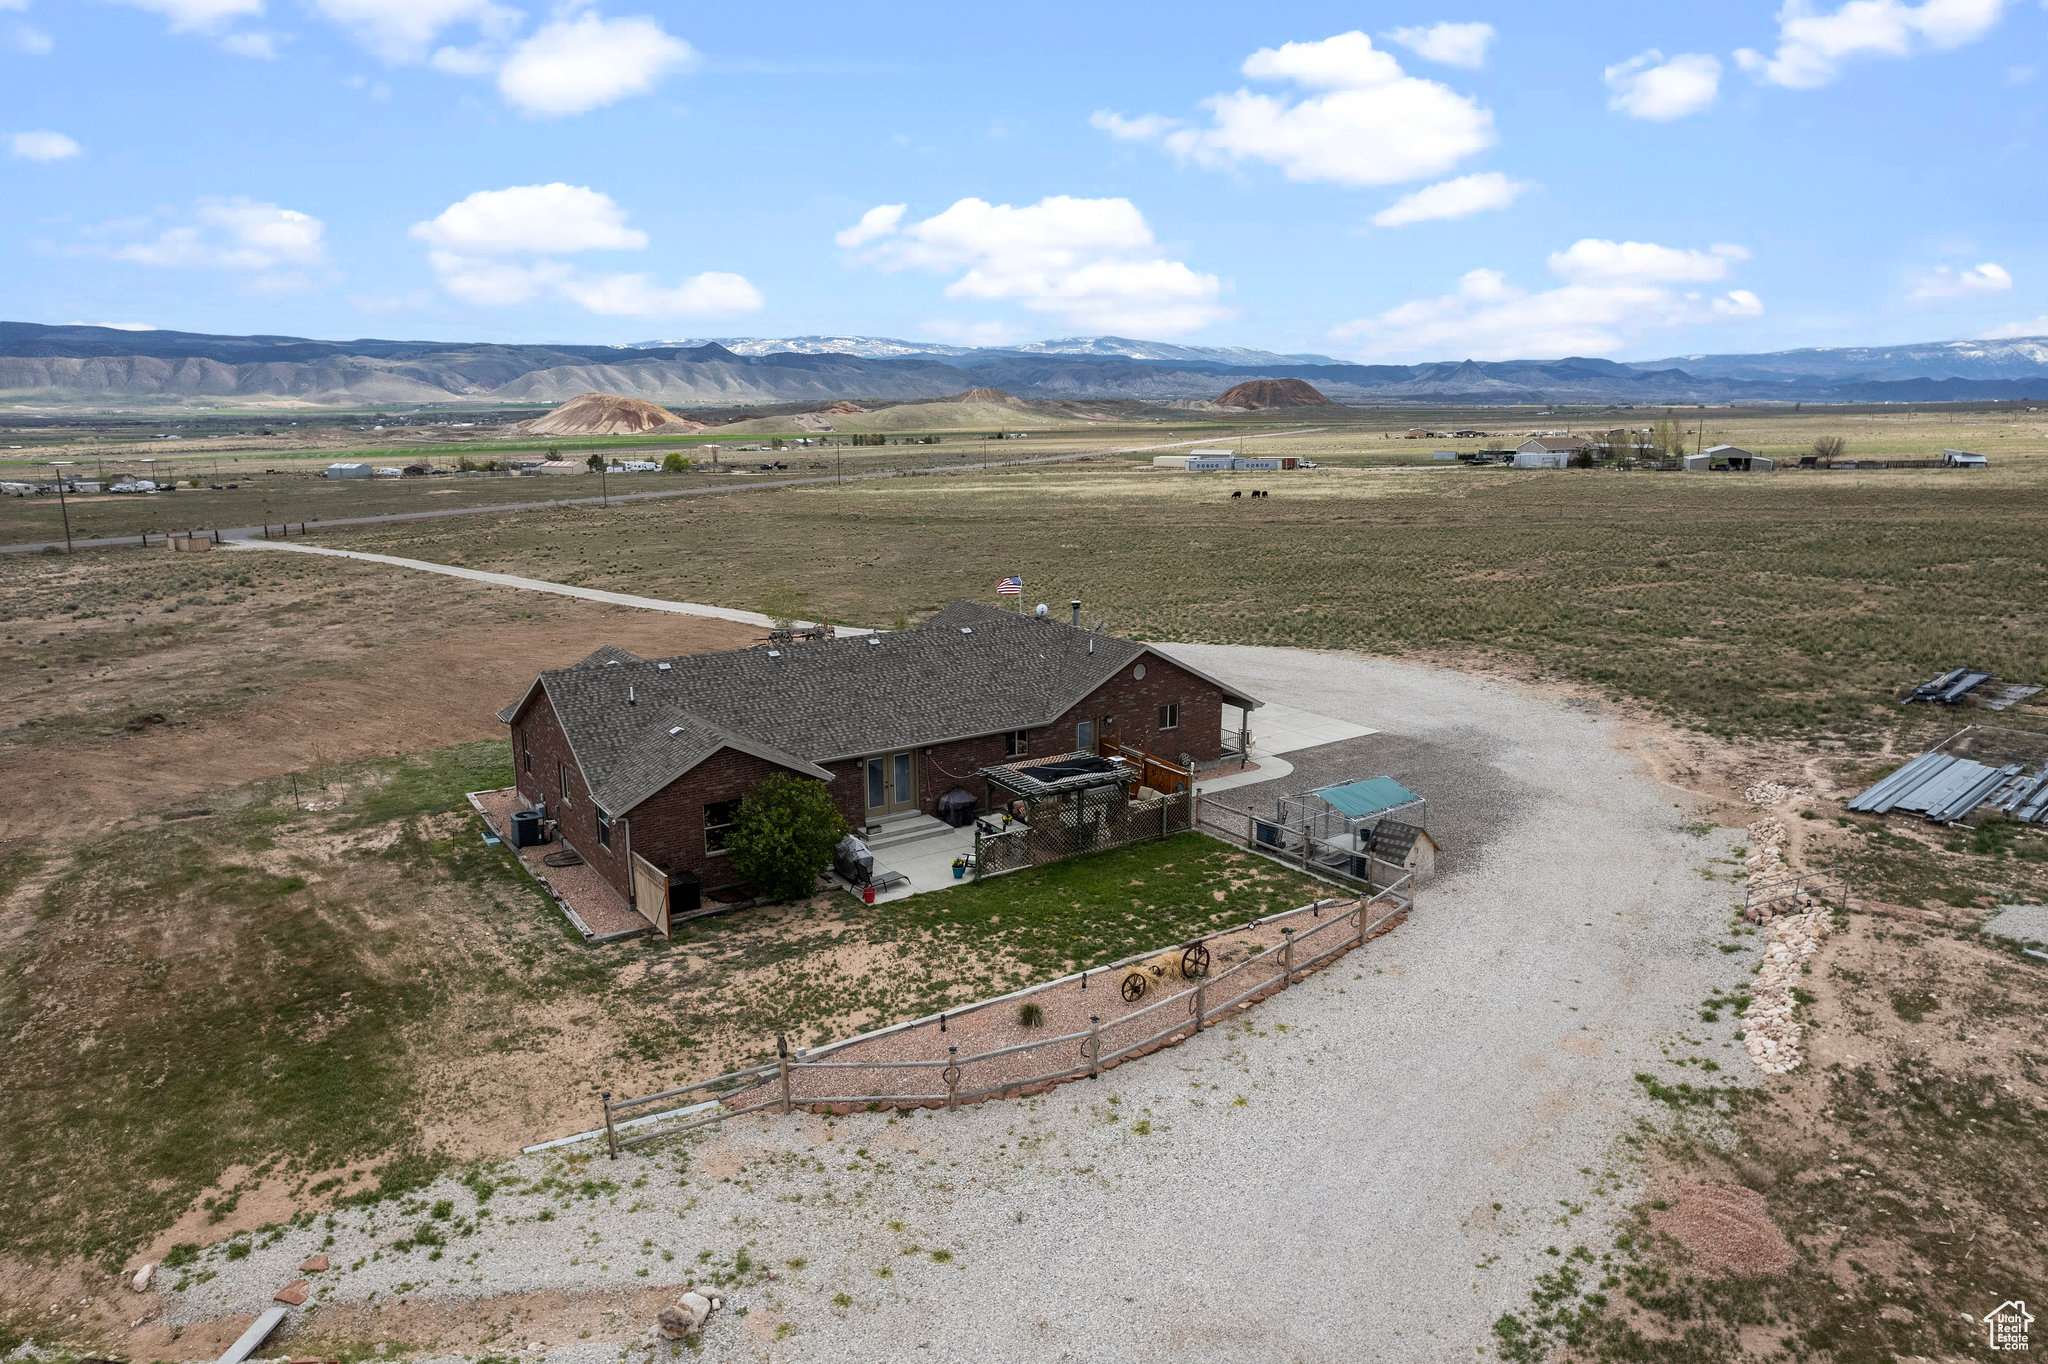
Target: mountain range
[{"x": 107, "y": 367}]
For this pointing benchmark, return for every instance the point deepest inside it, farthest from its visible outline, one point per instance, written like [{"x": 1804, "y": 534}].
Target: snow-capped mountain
[
  {"x": 2018, "y": 357},
  {"x": 1094, "y": 347}
]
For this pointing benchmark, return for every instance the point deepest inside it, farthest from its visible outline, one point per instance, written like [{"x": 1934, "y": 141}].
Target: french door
[{"x": 892, "y": 784}]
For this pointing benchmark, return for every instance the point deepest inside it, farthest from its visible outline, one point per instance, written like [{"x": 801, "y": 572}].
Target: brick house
[{"x": 652, "y": 756}]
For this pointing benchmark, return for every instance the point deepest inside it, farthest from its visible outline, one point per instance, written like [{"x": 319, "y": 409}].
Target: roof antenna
[{"x": 629, "y": 695}]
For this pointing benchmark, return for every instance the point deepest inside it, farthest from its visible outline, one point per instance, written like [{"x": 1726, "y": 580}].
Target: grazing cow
[{"x": 1238, "y": 493}]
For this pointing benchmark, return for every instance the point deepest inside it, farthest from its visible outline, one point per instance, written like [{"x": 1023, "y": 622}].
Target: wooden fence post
[
  {"x": 1094, "y": 1046},
  {"x": 1359, "y": 913},
  {"x": 782, "y": 1067},
  {"x": 1201, "y": 1002},
  {"x": 952, "y": 1074},
  {"x": 1286, "y": 957},
  {"x": 611, "y": 1135}
]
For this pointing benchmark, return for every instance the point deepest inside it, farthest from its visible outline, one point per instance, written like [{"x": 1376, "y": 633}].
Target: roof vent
[
  {"x": 631, "y": 699},
  {"x": 966, "y": 629},
  {"x": 662, "y": 667},
  {"x": 611, "y": 663},
  {"x": 775, "y": 653},
  {"x": 874, "y": 642},
  {"x": 677, "y": 730}
]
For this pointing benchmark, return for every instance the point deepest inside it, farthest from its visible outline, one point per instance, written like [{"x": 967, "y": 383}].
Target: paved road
[
  {"x": 246, "y": 532},
  {"x": 1434, "y": 1113}
]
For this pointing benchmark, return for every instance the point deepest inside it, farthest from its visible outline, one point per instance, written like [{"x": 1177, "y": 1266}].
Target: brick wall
[
  {"x": 1134, "y": 704},
  {"x": 538, "y": 733},
  {"x": 668, "y": 827}
]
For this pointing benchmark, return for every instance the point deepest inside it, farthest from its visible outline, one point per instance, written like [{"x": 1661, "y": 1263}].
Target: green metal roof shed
[{"x": 1363, "y": 799}]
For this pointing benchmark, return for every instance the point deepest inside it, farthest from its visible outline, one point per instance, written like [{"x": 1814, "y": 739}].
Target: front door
[{"x": 892, "y": 784}]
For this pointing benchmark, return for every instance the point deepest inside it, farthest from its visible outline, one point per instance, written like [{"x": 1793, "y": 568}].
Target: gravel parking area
[{"x": 1367, "y": 1166}]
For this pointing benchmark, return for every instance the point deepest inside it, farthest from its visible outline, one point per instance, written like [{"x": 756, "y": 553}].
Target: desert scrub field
[{"x": 1793, "y": 603}]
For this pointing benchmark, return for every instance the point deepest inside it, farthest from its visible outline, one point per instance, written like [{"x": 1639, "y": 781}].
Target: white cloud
[
  {"x": 199, "y": 16},
  {"x": 1812, "y": 46},
  {"x": 1945, "y": 282},
  {"x": 1368, "y": 123},
  {"x": 497, "y": 248},
  {"x": 1648, "y": 85},
  {"x": 711, "y": 294},
  {"x": 261, "y": 46},
  {"x": 2037, "y": 326},
  {"x": 876, "y": 223},
  {"x": 113, "y": 326},
  {"x": 1612, "y": 293},
  {"x": 269, "y": 246},
  {"x": 1459, "y": 198},
  {"x": 1593, "y": 260},
  {"x": 1452, "y": 44},
  {"x": 18, "y": 7},
  {"x": 29, "y": 40},
  {"x": 404, "y": 30},
  {"x": 1091, "y": 262},
  {"x": 1143, "y": 128},
  {"x": 43, "y": 146},
  {"x": 554, "y": 218},
  {"x": 584, "y": 61}
]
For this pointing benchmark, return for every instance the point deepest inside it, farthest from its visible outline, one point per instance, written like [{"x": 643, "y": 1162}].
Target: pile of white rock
[
  {"x": 1766, "y": 850},
  {"x": 1768, "y": 793},
  {"x": 686, "y": 1316},
  {"x": 1769, "y": 1030}
]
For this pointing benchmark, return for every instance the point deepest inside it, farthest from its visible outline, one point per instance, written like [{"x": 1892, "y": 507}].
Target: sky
[{"x": 1386, "y": 182}]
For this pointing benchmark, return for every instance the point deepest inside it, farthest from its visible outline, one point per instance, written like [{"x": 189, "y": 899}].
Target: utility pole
[{"x": 62, "y": 505}]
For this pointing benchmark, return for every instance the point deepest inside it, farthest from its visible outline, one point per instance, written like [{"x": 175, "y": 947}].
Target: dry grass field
[
  {"x": 1792, "y": 603},
  {"x": 326, "y": 977}
]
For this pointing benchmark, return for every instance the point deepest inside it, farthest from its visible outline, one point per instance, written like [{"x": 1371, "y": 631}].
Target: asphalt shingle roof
[{"x": 968, "y": 670}]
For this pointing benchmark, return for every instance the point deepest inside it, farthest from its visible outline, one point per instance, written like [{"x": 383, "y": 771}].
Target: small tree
[
  {"x": 1828, "y": 449},
  {"x": 674, "y": 463},
  {"x": 784, "y": 605},
  {"x": 595, "y": 463},
  {"x": 783, "y": 836}
]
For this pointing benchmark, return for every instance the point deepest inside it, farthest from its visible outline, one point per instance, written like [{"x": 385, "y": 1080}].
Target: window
[
  {"x": 1014, "y": 743},
  {"x": 1169, "y": 715},
  {"x": 527, "y": 754},
  {"x": 562, "y": 774},
  {"x": 1084, "y": 735},
  {"x": 718, "y": 821},
  {"x": 604, "y": 829}
]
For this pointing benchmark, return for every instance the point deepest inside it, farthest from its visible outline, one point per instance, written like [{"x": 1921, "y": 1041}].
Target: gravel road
[{"x": 1369, "y": 1166}]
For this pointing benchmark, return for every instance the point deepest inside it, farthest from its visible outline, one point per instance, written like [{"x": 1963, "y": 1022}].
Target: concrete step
[{"x": 898, "y": 830}]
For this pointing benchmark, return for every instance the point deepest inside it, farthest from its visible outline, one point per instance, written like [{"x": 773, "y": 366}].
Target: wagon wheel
[
  {"x": 1134, "y": 987},
  {"x": 1194, "y": 962}
]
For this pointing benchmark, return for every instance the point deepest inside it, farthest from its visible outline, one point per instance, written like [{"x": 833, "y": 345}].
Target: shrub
[
  {"x": 595, "y": 463},
  {"x": 783, "y": 835},
  {"x": 673, "y": 463},
  {"x": 1030, "y": 1016}
]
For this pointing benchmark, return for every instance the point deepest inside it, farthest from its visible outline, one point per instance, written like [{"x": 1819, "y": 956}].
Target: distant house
[
  {"x": 1548, "y": 452},
  {"x": 1728, "y": 458},
  {"x": 349, "y": 471},
  {"x": 1963, "y": 459}
]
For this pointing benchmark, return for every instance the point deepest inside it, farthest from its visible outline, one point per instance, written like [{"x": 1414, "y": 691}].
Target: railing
[
  {"x": 1062, "y": 830},
  {"x": 1295, "y": 847},
  {"x": 1307, "y": 938},
  {"x": 1815, "y": 883}
]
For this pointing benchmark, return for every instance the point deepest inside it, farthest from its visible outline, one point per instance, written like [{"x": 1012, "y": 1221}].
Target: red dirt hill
[
  {"x": 607, "y": 414},
  {"x": 1257, "y": 393}
]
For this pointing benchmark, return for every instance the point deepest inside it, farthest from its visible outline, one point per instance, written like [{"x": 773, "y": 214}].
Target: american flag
[{"x": 1012, "y": 586}]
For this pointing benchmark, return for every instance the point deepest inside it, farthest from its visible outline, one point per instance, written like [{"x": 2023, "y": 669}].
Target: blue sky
[{"x": 1384, "y": 182}]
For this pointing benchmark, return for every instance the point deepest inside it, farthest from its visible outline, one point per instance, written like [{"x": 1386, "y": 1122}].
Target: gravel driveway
[{"x": 1370, "y": 1165}]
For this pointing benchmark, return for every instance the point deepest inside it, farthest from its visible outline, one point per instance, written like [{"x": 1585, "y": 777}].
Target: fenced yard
[
  {"x": 1031, "y": 1039},
  {"x": 1299, "y": 845}
]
